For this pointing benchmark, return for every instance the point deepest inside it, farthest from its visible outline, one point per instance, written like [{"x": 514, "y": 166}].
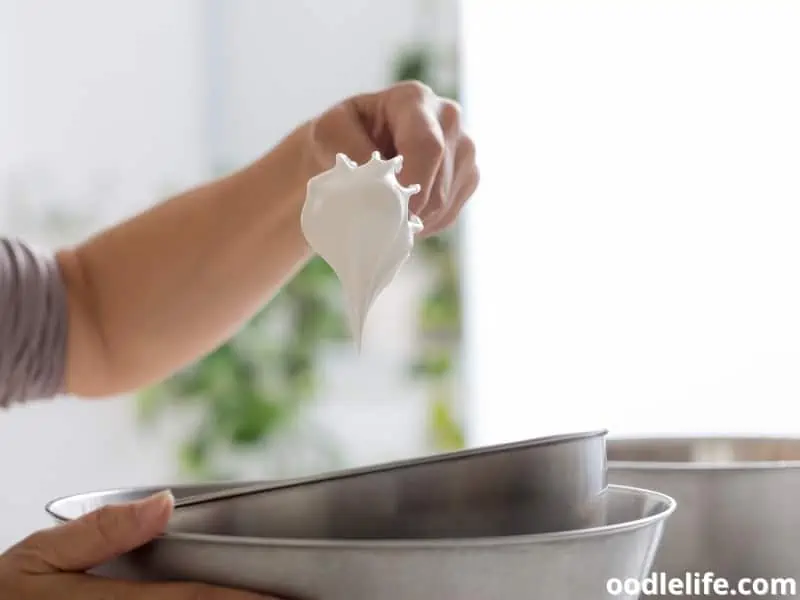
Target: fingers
[
  {"x": 408, "y": 119},
  {"x": 41, "y": 560},
  {"x": 99, "y": 588},
  {"x": 465, "y": 183},
  {"x": 412, "y": 115},
  {"x": 97, "y": 537}
]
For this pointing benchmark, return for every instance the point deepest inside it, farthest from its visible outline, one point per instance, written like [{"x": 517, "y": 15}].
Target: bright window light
[{"x": 633, "y": 255}]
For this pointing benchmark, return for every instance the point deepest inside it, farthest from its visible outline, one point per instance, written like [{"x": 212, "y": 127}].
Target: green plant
[{"x": 250, "y": 388}]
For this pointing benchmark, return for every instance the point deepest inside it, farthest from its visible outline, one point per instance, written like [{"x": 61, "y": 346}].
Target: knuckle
[
  {"x": 32, "y": 541},
  {"x": 32, "y": 545},
  {"x": 470, "y": 185},
  {"x": 429, "y": 145},
  {"x": 467, "y": 148},
  {"x": 450, "y": 117},
  {"x": 26, "y": 556},
  {"x": 413, "y": 89},
  {"x": 110, "y": 522}
]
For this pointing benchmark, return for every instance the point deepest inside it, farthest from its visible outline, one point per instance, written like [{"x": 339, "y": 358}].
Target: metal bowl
[
  {"x": 316, "y": 565},
  {"x": 737, "y": 500},
  {"x": 536, "y": 486}
]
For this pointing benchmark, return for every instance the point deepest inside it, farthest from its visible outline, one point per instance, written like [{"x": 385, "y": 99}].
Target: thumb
[{"x": 101, "y": 535}]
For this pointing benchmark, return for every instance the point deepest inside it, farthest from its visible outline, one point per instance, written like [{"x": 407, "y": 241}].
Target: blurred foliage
[
  {"x": 439, "y": 313},
  {"x": 250, "y": 389}
]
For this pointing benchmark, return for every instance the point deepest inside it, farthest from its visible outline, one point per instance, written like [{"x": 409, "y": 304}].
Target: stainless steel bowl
[
  {"x": 346, "y": 566},
  {"x": 536, "y": 486},
  {"x": 737, "y": 497}
]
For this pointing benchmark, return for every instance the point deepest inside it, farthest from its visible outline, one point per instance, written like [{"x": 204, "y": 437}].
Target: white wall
[
  {"x": 633, "y": 253},
  {"x": 131, "y": 100}
]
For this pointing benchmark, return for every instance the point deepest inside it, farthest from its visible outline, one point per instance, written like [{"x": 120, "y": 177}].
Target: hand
[
  {"x": 408, "y": 119},
  {"x": 49, "y": 564}
]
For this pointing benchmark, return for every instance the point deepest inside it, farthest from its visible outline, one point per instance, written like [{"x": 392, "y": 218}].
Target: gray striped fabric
[{"x": 33, "y": 323}]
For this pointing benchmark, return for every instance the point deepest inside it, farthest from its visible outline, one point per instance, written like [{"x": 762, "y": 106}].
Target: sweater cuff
[{"x": 33, "y": 323}]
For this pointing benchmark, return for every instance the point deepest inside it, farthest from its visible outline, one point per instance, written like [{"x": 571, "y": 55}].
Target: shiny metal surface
[
  {"x": 536, "y": 486},
  {"x": 564, "y": 565},
  {"x": 738, "y": 503}
]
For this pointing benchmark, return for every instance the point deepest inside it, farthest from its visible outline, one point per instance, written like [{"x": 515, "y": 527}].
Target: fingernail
[{"x": 155, "y": 506}]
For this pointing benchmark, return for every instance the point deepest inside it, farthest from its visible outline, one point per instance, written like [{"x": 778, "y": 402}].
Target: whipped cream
[{"x": 356, "y": 218}]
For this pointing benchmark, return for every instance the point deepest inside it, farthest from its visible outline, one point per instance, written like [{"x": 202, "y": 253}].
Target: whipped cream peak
[
  {"x": 375, "y": 167},
  {"x": 356, "y": 218}
]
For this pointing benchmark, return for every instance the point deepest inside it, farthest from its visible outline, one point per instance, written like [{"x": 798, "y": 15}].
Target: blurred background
[{"x": 631, "y": 261}]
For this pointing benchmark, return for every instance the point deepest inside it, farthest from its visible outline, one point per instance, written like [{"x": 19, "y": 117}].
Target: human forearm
[
  {"x": 154, "y": 293},
  {"x": 149, "y": 296}
]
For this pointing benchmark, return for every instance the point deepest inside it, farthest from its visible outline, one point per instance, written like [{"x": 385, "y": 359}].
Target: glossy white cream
[{"x": 356, "y": 218}]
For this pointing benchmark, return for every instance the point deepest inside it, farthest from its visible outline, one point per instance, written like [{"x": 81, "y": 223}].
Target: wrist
[
  {"x": 286, "y": 169},
  {"x": 279, "y": 180}
]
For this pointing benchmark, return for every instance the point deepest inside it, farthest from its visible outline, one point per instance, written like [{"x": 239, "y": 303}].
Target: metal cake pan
[
  {"x": 500, "y": 565},
  {"x": 553, "y": 483},
  {"x": 737, "y": 497}
]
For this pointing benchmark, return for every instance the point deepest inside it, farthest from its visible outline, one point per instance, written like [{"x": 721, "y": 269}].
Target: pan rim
[{"x": 666, "y": 505}]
